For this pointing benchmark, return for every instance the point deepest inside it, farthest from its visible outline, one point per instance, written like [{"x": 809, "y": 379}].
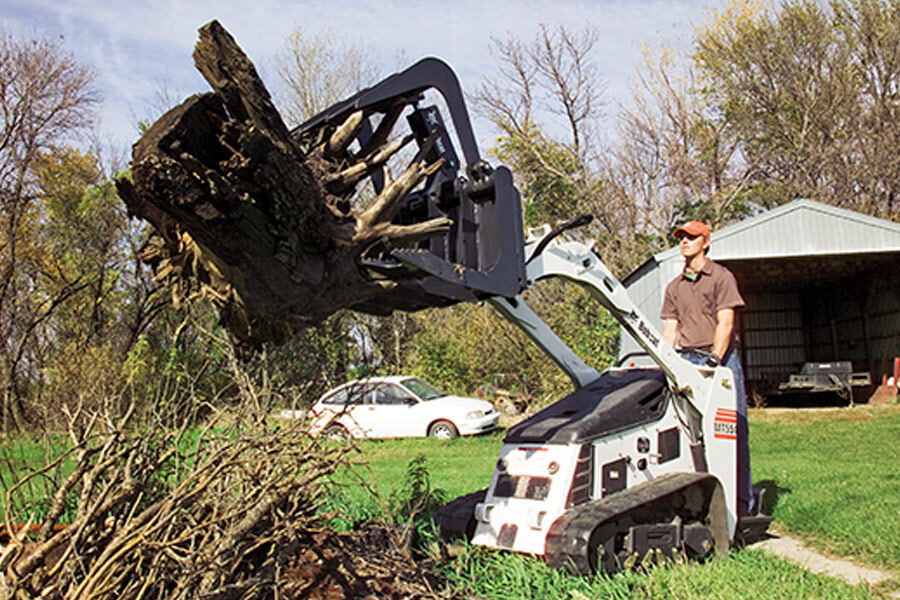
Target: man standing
[{"x": 698, "y": 316}]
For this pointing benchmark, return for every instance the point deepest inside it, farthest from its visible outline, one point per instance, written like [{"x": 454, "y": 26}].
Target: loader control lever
[{"x": 579, "y": 221}]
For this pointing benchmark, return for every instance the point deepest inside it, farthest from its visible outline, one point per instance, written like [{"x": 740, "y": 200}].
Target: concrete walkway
[{"x": 794, "y": 550}]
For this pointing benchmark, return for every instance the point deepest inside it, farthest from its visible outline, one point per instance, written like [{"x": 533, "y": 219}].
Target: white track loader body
[{"x": 576, "y": 458}]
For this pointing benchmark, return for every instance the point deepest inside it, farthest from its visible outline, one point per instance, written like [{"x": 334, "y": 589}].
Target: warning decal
[{"x": 725, "y": 424}]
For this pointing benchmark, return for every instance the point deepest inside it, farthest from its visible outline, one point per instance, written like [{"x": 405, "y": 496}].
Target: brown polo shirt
[{"x": 694, "y": 304}]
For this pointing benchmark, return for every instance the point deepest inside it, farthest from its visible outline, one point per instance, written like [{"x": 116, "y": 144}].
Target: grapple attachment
[{"x": 482, "y": 253}]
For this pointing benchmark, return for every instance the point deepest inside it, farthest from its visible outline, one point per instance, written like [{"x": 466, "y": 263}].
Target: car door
[
  {"x": 350, "y": 409},
  {"x": 392, "y": 412}
]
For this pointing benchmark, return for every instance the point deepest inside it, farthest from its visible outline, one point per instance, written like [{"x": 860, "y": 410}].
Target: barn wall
[
  {"x": 836, "y": 326},
  {"x": 772, "y": 339},
  {"x": 647, "y": 287},
  {"x": 883, "y": 320}
]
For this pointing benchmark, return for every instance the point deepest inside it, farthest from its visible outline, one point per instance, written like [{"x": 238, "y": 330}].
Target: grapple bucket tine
[{"x": 482, "y": 253}]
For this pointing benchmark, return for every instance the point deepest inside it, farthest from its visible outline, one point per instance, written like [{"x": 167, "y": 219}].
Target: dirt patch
[
  {"x": 371, "y": 562},
  {"x": 795, "y": 551}
]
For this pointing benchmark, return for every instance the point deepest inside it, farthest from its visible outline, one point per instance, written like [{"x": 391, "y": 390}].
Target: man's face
[{"x": 692, "y": 245}]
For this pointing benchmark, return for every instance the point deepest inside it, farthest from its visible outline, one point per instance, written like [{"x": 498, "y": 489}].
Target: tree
[
  {"x": 319, "y": 70},
  {"x": 676, "y": 155},
  {"x": 811, "y": 92},
  {"x": 84, "y": 229},
  {"x": 871, "y": 27},
  {"x": 546, "y": 102},
  {"x": 46, "y": 98},
  {"x": 84, "y": 236},
  {"x": 552, "y": 77}
]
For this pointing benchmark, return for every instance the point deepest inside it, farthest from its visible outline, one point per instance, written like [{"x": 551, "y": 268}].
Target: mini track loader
[{"x": 638, "y": 463}]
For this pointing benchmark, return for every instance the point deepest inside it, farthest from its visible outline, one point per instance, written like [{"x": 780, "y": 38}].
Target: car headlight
[{"x": 475, "y": 414}]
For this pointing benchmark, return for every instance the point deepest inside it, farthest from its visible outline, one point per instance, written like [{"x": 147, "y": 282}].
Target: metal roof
[{"x": 800, "y": 228}]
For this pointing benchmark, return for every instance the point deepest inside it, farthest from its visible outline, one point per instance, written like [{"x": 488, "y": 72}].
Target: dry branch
[
  {"x": 232, "y": 519},
  {"x": 235, "y": 509}
]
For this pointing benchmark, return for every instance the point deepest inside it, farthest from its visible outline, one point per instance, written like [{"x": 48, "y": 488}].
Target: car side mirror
[{"x": 410, "y": 401}]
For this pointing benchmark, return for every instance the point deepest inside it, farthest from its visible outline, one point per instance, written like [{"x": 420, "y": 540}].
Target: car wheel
[
  {"x": 336, "y": 433},
  {"x": 443, "y": 430}
]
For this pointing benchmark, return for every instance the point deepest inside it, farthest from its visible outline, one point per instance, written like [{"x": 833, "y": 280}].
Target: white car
[{"x": 385, "y": 407}]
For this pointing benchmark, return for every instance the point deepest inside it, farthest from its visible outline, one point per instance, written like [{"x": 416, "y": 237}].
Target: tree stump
[{"x": 246, "y": 218}]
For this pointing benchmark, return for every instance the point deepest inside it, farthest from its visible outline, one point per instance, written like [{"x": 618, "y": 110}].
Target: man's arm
[
  {"x": 722, "y": 335},
  {"x": 670, "y": 331}
]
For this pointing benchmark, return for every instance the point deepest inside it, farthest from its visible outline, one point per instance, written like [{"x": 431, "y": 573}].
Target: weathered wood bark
[{"x": 245, "y": 218}]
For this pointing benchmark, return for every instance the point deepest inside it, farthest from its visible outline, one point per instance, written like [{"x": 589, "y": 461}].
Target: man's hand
[{"x": 713, "y": 361}]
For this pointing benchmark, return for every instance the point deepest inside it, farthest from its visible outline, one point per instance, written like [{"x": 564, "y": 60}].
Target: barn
[{"x": 820, "y": 284}]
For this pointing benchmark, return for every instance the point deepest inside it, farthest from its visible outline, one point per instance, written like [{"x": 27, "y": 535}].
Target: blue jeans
[{"x": 732, "y": 360}]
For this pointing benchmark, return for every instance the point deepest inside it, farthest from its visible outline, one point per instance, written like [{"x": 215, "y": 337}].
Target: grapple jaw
[{"x": 481, "y": 255}]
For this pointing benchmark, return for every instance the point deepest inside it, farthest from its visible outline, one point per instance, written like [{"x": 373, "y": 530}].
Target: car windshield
[{"x": 423, "y": 390}]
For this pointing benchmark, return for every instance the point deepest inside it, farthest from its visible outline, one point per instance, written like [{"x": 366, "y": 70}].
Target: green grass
[
  {"x": 836, "y": 477},
  {"x": 746, "y": 574},
  {"x": 455, "y": 467},
  {"x": 21, "y": 456}
]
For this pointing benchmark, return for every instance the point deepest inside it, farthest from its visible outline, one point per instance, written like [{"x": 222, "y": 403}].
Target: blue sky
[{"x": 138, "y": 47}]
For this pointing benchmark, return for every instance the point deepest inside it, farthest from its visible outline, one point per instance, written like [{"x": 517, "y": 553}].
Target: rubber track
[
  {"x": 568, "y": 542},
  {"x": 457, "y": 518}
]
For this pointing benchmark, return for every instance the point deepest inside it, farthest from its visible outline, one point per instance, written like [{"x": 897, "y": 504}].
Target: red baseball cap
[{"x": 692, "y": 228}]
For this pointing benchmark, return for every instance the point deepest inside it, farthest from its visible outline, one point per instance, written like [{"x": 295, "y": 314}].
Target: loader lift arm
[
  {"x": 482, "y": 257},
  {"x": 576, "y": 262}
]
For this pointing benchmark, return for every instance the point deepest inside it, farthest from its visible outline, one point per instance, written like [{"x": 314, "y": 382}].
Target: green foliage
[
  {"x": 810, "y": 88},
  {"x": 392, "y": 339},
  {"x": 349, "y": 504},
  {"x": 316, "y": 359},
  {"x": 551, "y": 175},
  {"x": 586, "y": 327},
  {"x": 85, "y": 218},
  {"x": 466, "y": 346},
  {"x": 416, "y": 500},
  {"x": 443, "y": 361}
]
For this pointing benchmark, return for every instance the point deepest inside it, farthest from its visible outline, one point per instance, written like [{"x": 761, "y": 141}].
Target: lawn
[
  {"x": 832, "y": 477},
  {"x": 23, "y": 456},
  {"x": 747, "y": 574},
  {"x": 835, "y": 476}
]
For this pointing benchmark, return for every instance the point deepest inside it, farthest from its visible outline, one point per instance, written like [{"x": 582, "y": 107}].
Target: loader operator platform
[{"x": 698, "y": 317}]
